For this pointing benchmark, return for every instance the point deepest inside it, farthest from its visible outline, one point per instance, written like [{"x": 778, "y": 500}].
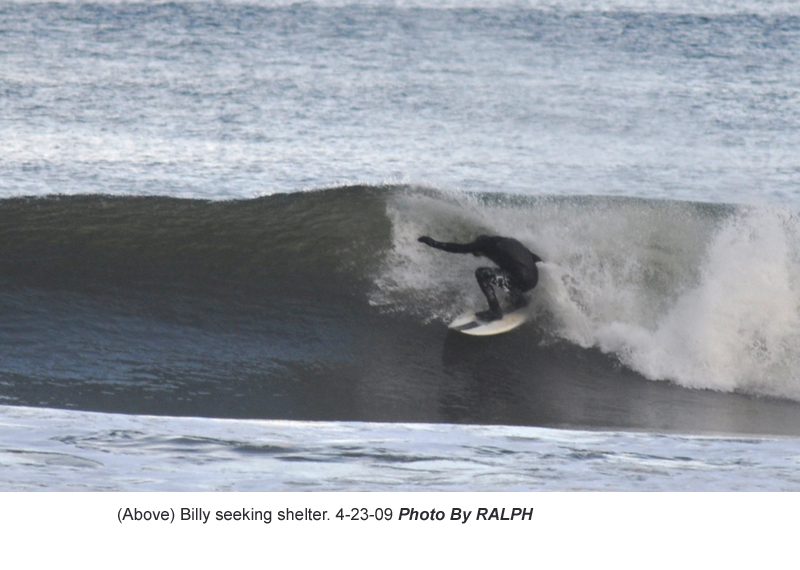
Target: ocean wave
[{"x": 322, "y": 305}]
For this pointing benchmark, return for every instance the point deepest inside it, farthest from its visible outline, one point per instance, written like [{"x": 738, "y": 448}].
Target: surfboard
[{"x": 468, "y": 324}]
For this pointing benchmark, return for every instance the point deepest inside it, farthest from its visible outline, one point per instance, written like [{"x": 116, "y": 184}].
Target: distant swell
[{"x": 322, "y": 305}]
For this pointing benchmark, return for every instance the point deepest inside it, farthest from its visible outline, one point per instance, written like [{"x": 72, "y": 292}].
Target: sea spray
[
  {"x": 739, "y": 327},
  {"x": 706, "y": 296}
]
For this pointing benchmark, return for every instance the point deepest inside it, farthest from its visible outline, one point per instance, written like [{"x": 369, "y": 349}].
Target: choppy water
[{"x": 680, "y": 100}]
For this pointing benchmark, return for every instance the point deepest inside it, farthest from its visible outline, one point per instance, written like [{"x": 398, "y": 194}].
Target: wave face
[{"x": 322, "y": 305}]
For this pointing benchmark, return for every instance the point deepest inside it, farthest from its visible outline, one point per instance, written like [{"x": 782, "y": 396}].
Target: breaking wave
[{"x": 322, "y": 305}]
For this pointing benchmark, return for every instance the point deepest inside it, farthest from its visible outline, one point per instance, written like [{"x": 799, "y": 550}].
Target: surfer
[{"x": 515, "y": 273}]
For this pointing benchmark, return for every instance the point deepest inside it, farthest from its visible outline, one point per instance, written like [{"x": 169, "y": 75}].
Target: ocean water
[{"x": 208, "y": 255}]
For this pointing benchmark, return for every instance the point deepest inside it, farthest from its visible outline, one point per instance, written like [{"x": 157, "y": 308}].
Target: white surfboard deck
[{"x": 467, "y": 323}]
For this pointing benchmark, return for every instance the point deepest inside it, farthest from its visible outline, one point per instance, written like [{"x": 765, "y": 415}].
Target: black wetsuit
[{"x": 517, "y": 271}]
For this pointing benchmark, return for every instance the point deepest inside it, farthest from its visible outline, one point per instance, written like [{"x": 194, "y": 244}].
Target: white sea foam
[
  {"x": 46, "y": 449},
  {"x": 707, "y": 297},
  {"x": 739, "y": 327}
]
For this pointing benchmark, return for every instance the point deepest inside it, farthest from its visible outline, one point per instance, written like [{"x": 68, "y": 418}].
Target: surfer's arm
[{"x": 449, "y": 247}]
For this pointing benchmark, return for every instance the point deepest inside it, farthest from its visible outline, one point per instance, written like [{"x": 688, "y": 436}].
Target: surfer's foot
[{"x": 489, "y": 316}]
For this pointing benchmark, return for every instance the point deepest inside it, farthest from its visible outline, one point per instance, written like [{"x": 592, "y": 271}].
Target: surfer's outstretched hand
[{"x": 426, "y": 240}]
